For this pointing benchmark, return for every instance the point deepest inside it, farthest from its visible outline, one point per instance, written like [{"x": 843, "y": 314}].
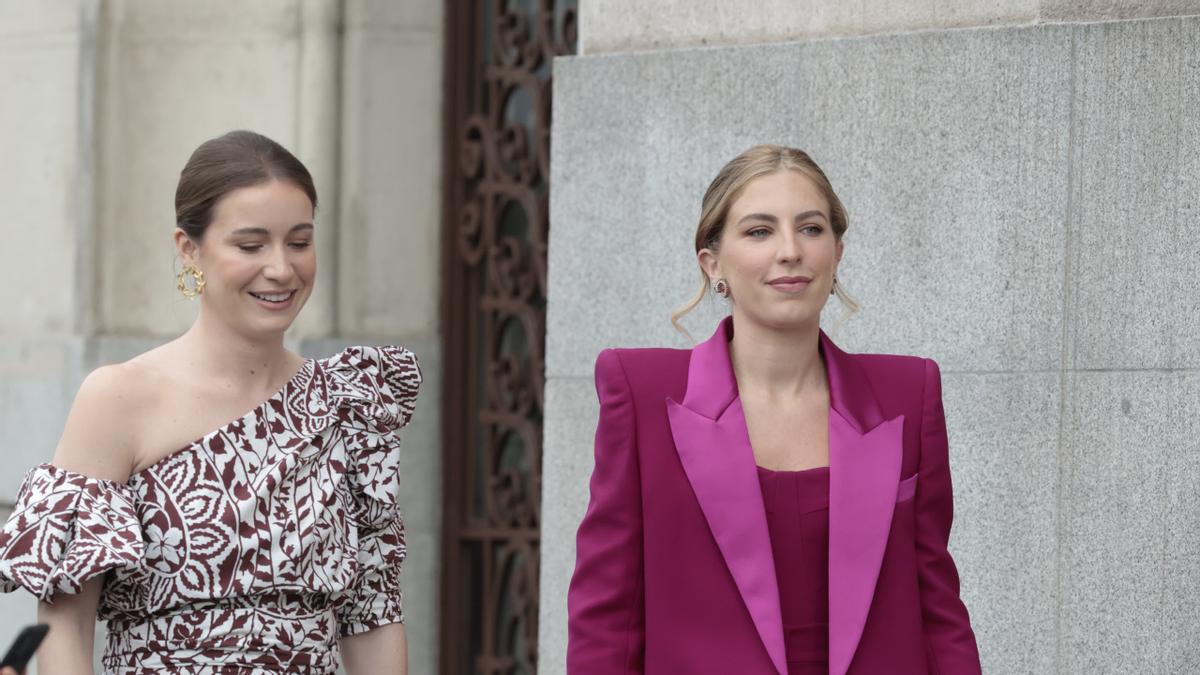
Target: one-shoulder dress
[{"x": 252, "y": 549}]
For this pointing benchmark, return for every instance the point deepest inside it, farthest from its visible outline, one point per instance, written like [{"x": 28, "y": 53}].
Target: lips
[{"x": 790, "y": 284}]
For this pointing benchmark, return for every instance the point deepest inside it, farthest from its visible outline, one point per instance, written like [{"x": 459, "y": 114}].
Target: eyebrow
[
  {"x": 265, "y": 231},
  {"x": 772, "y": 219}
]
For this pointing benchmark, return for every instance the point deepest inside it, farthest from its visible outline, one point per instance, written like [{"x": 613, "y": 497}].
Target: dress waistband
[{"x": 283, "y": 632}]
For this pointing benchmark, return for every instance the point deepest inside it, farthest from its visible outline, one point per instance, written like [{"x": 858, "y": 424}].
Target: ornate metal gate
[{"x": 497, "y": 136}]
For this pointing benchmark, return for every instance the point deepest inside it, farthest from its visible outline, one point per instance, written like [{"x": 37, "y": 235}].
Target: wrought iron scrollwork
[{"x": 495, "y": 309}]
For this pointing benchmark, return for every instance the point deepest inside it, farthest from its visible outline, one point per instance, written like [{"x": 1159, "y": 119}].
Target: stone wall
[
  {"x": 629, "y": 25},
  {"x": 1023, "y": 210}
]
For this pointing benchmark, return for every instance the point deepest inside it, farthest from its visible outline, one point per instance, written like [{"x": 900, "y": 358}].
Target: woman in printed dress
[{"x": 269, "y": 543}]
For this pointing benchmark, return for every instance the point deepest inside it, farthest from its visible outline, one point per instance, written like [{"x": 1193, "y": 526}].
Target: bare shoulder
[{"x": 100, "y": 438}]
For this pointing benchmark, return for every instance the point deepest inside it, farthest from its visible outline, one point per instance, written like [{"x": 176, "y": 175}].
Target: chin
[
  {"x": 787, "y": 321},
  {"x": 270, "y": 325}
]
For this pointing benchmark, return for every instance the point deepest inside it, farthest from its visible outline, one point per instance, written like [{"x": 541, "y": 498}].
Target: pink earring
[{"x": 720, "y": 287}]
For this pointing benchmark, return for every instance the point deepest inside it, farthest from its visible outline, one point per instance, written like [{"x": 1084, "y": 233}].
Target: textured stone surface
[
  {"x": 571, "y": 410},
  {"x": 44, "y": 180},
  {"x": 1108, "y": 10},
  {"x": 1134, "y": 266},
  {"x": 387, "y": 15},
  {"x": 38, "y": 379},
  {"x": 629, "y": 25},
  {"x": 949, "y": 150},
  {"x": 1003, "y": 431},
  {"x": 1129, "y": 550},
  {"x": 1180, "y": 434},
  {"x": 389, "y": 234},
  {"x": 619, "y": 25}
]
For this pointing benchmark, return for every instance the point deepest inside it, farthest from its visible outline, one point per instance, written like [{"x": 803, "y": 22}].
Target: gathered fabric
[{"x": 254, "y": 548}]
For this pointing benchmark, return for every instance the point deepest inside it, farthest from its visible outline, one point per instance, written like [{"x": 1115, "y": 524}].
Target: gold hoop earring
[{"x": 197, "y": 287}]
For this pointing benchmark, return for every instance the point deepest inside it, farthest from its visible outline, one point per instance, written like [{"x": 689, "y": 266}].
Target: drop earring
[{"x": 197, "y": 286}]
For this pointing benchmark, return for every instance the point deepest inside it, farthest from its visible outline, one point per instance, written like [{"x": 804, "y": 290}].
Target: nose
[
  {"x": 789, "y": 248},
  {"x": 278, "y": 267}
]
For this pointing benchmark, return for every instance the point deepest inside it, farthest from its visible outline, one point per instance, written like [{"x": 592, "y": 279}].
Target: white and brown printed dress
[{"x": 252, "y": 549}]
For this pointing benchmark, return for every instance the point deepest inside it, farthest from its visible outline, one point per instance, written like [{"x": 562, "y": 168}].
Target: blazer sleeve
[
  {"x": 949, "y": 641},
  {"x": 606, "y": 617}
]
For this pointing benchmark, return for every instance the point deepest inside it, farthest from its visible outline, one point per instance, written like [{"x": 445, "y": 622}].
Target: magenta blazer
[{"x": 674, "y": 571}]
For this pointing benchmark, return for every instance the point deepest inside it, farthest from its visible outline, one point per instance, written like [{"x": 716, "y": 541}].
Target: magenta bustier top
[{"x": 797, "y": 504}]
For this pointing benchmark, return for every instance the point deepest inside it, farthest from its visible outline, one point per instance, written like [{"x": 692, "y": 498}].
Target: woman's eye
[
  {"x": 250, "y": 248},
  {"x": 812, "y": 230},
  {"x": 759, "y": 232},
  {"x": 300, "y": 245}
]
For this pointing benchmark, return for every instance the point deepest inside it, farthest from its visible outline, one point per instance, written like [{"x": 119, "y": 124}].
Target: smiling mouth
[{"x": 278, "y": 298}]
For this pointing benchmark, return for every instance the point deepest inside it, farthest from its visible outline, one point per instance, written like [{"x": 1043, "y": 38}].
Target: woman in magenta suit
[{"x": 765, "y": 502}]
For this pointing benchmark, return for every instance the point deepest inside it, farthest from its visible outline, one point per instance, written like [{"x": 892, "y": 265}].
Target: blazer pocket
[{"x": 908, "y": 489}]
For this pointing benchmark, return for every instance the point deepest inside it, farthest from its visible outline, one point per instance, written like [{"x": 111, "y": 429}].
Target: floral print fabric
[{"x": 252, "y": 549}]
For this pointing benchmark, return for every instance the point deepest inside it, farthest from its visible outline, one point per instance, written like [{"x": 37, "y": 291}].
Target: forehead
[
  {"x": 272, "y": 205},
  {"x": 781, "y": 191}
]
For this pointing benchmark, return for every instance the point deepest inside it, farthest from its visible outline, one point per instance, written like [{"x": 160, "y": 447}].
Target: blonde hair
[{"x": 761, "y": 160}]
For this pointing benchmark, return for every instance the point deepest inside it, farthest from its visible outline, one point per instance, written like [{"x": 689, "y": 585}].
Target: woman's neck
[
  {"x": 229, "y": 356},
  {"x": 775, "y": 363}
]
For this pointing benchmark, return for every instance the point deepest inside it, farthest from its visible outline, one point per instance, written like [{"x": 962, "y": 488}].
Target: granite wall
[{"x": 1023, "y": 209}]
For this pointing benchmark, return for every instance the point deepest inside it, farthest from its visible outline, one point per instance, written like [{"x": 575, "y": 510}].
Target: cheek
[
  {"x": 307, "y": 265},
  {"x": 821, "y": 256},
  {"x": 748, "y": 262},
  {"x": 231, "y": 271}
]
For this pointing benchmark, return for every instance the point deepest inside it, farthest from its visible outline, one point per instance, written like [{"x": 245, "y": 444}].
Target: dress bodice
[
  {"x": 253, "y": 548},
  {"x": 797, "y": 505}
]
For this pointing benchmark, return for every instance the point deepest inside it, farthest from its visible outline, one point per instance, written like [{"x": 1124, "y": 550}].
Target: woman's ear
[
  {"x": 709, "y": 263},
  {"x": 185, "y": 248}
]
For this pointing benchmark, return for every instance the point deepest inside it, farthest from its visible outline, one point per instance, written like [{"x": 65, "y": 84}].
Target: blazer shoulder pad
[
  {"x": 895, "y": 372},
  {"x": 645, "y": 369},
  {"x": 641, "y": 358}
]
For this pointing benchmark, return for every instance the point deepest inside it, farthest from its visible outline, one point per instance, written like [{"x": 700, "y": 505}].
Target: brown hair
[
  {"x": 221, "y": 165},
  {"x": 761, "y": 160}
]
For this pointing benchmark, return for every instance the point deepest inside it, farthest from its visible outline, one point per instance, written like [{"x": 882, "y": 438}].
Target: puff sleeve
[
  {"x": 380, "y": 386},
  {"x": 66, "y": 529}
]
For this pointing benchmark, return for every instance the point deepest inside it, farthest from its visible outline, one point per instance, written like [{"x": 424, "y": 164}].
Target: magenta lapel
[
  {"x": 709, "y": 429},
  {"x": 864, "y": 474},
  {"x": 710, "y": 435}
]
